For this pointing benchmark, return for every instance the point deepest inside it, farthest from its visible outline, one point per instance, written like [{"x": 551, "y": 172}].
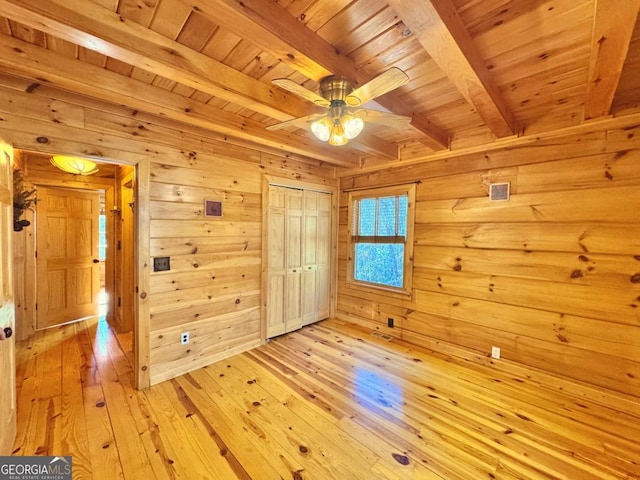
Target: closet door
[
  {"x": 277, "y": 272},
  {"x": 294, "y": 242},
  {"x": 310, "y": 253},
  {"x": 299, "y": 253},
  {"x": 317, "y": 255},
  {"x": 323, "y": 255}
]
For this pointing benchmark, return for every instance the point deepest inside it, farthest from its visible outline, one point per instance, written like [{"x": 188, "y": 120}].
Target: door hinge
[
  {"x": 36, "y": 306},
  {"x": 36, "y": 253},
  {"x": 119, "y": 245},
  {"x": 119, "y": 301}
]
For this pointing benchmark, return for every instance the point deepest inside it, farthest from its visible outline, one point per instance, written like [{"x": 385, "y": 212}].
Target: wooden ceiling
[{"x": 479, "y": 70}]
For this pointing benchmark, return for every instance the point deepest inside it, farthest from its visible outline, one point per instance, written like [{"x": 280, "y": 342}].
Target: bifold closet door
[
  {"x": 293, "y": 249},
  {"x": 299, "y": 246},
  {"x": 316, "y": 251},
  {"x": 276, "y": 272},
  {"x": 284, "y": 308}
]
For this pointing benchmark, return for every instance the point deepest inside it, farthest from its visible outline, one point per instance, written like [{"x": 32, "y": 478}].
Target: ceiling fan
[{"x": 344, "y": 121}]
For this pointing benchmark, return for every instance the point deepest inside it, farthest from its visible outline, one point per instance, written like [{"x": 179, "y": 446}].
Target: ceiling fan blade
[
  {"x": 301, "y": 122},
  {"x": 383, "y": 83},
  {"x": 392, "y": 120},
  {"x": 293, "y": 87}
]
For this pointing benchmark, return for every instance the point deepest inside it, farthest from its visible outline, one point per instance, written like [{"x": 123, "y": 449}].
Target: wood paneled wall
[
  {"x": 213, "y": 287},
  {"x": 551, "y": 276},
  {"x": 213, "y": 290}
]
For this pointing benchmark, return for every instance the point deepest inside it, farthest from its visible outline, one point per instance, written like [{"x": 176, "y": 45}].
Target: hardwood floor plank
[
  {"x": 74, "y": 435},
  {"x": 272, "y": 456},
  {"x": 474, "y": 400},
  {"x": 103, "y": 453},
  {"x": 227, "y": 440},
  {"x": 187, "y": 446},
  {"x": 329, "y": 401},
  {"x": 382, "y": 398},
  {"x": 299, "y": 440},
  {"x": 131, "y": 451}
]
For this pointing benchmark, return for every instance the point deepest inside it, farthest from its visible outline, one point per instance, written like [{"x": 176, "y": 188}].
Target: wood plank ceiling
[{"x": 479, "y": 69}]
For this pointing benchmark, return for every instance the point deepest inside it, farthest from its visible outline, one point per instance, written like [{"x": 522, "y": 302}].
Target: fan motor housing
[{"x": 335, "y": 87}]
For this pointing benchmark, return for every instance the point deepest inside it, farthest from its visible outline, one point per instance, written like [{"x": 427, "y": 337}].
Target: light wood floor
[{"x": 327, "y": 402}]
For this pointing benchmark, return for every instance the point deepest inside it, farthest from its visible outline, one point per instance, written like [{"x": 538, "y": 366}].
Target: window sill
[{"x": 379, "y": 289}]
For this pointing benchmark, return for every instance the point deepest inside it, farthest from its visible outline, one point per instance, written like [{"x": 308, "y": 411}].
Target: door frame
[
  {"x": 269, "y": 180},
  {"x": 109, "y": 261},
  {"x": 8, "y": 417},
  {"x": 141, "y": 251}
]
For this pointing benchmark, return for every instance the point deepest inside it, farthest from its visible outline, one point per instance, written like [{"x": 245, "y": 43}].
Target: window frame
[{"x": 398, "y": 190}]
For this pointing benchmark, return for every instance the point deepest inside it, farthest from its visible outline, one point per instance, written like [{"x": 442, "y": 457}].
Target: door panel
[
  {"x": 67, "y": 255},
  {"x": 277, "y": 267},
  {"x": 323, "y": 255},
  {"x": 293, "y": 311},
  {"x": 310, "y": 248},
  {"x": 7, "y": 310}
]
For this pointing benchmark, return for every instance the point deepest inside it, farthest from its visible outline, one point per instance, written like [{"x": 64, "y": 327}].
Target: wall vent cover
[
  {"x": 384, "y": 336},
  {"x": 499, "y": 191}
]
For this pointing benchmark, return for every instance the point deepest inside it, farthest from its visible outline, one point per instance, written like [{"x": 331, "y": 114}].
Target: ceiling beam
[
  {"x": 173, "y": 134},
  {"x": 86, "y": 24},
  {"x": 272, "y": 28},
  {"x": 44, "y": 66},
  {"x": 613, "y": 24},
  {"x": 96, "y": 28},
  {"x": 439, "y": 29}
]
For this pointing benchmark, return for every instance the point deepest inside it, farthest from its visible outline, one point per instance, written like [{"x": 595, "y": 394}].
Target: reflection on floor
[{"x": 330, "y": 401}]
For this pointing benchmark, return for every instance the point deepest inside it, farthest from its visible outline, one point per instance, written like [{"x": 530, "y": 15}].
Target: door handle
[
  {"x": 7, "y": 333},
  {"x": 95, "y": 260}
]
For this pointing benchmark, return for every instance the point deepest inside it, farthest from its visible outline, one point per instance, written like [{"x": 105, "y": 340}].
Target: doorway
[{"x": 74, "y": 256}]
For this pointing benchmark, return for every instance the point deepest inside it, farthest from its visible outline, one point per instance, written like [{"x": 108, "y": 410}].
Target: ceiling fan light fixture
[
  {"x": 343, "y": 122},
  {"x": 74, "y": 165},
  {"x": 338, "y": 126},
  {"x": 338, "y": 136},
  {"x": 352, "y": 126},
  {"x": 322, "y": 128}
]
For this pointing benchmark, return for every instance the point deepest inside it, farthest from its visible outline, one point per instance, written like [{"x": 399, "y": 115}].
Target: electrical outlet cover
[
  {"x": 495, "y": 352},
  {"x": 161, "y": 264}
]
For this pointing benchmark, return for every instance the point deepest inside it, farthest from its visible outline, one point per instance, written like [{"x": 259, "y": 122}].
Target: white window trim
[{"x": 406, "y": 289}]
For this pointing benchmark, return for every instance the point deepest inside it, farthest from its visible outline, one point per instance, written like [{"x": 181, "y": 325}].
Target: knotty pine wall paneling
[
  {"x": 551, "y": 276},
  {"x": 213, "y": 288}
]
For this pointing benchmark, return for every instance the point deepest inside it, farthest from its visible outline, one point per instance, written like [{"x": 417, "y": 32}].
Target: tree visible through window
[{"x": 381, "y": 221}]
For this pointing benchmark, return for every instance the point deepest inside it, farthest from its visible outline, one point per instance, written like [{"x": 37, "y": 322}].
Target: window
[
  {"x": 381, "y": 238},
  {"x": 102, "y": 237}
]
